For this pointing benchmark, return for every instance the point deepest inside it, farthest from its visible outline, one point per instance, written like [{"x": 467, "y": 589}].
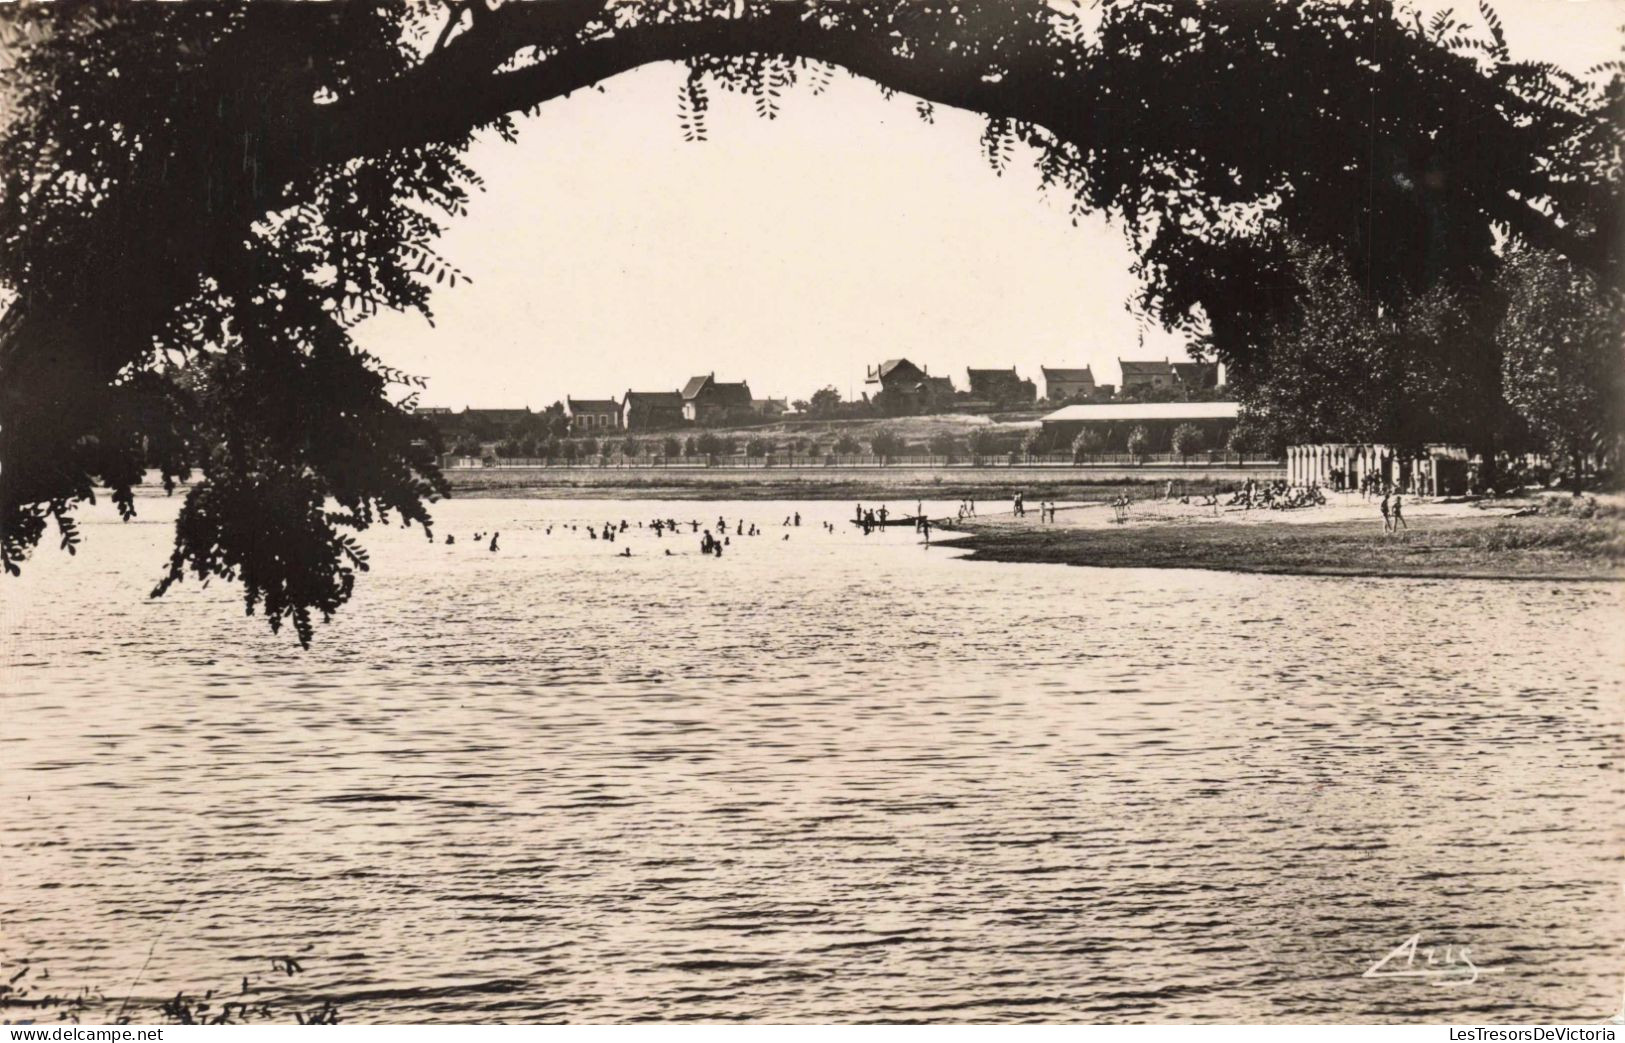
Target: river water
[{"x": 827, "y": 777}]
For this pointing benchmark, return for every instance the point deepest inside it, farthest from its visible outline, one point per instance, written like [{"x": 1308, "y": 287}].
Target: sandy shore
[{"x": 1344, "y": 538}]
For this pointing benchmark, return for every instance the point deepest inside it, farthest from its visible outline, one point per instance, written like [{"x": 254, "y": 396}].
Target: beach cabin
[{"x": 1436, "y": 470}]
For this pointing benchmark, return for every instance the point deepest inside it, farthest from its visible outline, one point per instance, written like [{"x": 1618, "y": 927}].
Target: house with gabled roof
[
  {"x": 592, "y": 415},
  {"x": 907, "y": 387},
  {"x": 1146, "y": 373},
  {"x": 1064, "y": 385},
  {"x": 1003, "y": 387},
  {"x": 651, "y": 410},
  {"x": 706, "y": 399},
  {"x": 1196, "y": 374}
]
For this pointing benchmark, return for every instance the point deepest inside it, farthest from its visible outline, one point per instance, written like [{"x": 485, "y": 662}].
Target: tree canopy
[{"x": 198, "y": 202}]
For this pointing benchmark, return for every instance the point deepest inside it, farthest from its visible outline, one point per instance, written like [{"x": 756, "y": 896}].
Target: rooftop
[
  {"x": 1149, "y": 411},
  {"x": 1148, "y": 367},
  {"x": 1195, "y": 372}
]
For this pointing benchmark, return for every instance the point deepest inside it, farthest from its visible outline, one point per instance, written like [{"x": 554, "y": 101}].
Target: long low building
[{"x": 1115, "y": 420}]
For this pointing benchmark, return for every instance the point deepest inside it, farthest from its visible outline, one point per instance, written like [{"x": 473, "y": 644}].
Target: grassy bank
[
  {"x": 844, "y": 483},
  {"x": 1493, "y": 547}
]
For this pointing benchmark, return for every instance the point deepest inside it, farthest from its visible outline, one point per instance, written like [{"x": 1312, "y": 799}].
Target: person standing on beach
[
  {"x": 1399, "y": 518},
  {"x": 494, "y": 536},
  {"x": 1387, "y": 522}
]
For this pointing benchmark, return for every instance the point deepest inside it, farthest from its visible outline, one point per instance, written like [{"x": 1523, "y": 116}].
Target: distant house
[
  {"x": 1114, "y": 421},
  {"x": 1064, "y": 385},
  {"x": 1196, "y": 374},
  {"x": 499, "y": 418},
  {"x": 592, "y": 415},
  {"x": 907, "y": 387},
  {"x": 651, "y": 410},
  {"x": 770, "y": 407},
  {"x": 1002, "y": 387},
  {"x": 705, "y": 399},
  {"x": 1146, "y": 374},
  {"x": 490, "y": 425},
  {"x": 433, "y": 411}
]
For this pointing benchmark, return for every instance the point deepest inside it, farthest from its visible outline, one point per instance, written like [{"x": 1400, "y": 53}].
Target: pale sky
[{"x": 608, "y": 253}]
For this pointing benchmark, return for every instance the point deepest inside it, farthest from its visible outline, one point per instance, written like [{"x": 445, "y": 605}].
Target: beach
[{"x": 1496, "y": 539}]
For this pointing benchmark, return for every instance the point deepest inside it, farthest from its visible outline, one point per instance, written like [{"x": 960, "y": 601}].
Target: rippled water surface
[{"x": 822, "y": 778}]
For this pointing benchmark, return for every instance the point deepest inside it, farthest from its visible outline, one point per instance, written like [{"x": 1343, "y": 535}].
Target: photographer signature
[{"x": 1449, "y": 965}]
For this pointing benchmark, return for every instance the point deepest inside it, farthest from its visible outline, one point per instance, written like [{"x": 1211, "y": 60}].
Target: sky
[{"x": 607, "y": 254}]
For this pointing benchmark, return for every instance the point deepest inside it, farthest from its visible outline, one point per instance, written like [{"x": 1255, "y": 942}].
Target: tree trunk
[{"x": 1486, "y": 450}]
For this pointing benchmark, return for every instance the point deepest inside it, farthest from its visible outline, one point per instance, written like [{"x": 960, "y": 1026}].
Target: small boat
[{"x": 912, "y": 519}]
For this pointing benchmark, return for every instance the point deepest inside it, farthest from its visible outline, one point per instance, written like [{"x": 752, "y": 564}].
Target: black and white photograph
[{"x": 812, "y": 512}]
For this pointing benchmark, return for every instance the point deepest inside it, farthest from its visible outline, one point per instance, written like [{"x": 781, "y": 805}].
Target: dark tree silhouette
[{"x": 199, "y": 201}]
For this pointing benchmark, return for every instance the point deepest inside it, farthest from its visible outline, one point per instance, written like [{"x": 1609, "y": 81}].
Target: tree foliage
[
  {"x": 982, "y": 442},
  {"x": 198, "y": 201},
  {"x": 824, "y": 402},
  {"x": 885, "y": 444},
  {"x": 1087, "y": 442},
  {"x": 1139, "y": 442},
  {"x": 1345, "y": 367},
  {"x": 1563, "y": 352},
  {"x": 1186, "y": 440}
]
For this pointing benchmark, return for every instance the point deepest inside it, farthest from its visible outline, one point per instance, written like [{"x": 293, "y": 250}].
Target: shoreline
[
  {"x": 843, "y": 483},
  {"x": 1466, "y": 543}
]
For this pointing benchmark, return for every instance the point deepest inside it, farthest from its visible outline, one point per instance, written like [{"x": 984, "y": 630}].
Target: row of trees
[
  {"x": 1527, "y": 355},
  {"x": 1185, "y": 441}
]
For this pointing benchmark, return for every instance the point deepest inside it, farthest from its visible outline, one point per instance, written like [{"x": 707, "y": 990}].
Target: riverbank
[
  {"x": 1441, "y": 540},
  {"x": 866, "y": 484}
]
